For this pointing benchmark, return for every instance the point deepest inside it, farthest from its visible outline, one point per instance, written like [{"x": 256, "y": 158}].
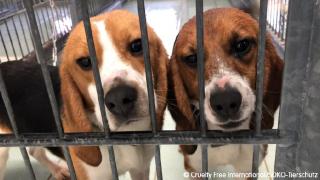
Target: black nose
[
  {"x": 121, "y": 99},
  {"x": 226, "y": 102}
]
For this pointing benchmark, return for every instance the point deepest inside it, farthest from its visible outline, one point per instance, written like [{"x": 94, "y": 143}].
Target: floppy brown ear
[
  {"x": 272, "y": 84},
  {"x": 161, "y": 82},
  {"x": 179, "y": 104},
  {"x": 75, "y": 119}
]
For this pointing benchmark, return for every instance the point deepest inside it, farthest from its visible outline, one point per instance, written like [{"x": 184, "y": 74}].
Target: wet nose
[
  {"x": 121, "y": 99},
  {"x": 226, "y": 102}
]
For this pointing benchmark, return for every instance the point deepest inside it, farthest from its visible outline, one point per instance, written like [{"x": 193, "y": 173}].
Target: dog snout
[
  {"x": 226, "y": 102},
  {"x": 121, "y": 100}
]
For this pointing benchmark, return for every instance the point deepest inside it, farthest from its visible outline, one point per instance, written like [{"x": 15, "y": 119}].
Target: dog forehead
[{"x": 220, "y": 22}]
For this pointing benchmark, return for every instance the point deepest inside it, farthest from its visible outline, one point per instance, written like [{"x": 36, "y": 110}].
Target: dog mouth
[{"x": 230, "y": 124}]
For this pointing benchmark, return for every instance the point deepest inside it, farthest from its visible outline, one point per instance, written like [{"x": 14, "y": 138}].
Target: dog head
[
  {"x": 117, "y": 40},
  {"x": 230, "y": 58}
]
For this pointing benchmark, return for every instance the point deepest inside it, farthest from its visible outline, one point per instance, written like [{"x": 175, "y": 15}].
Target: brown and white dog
[
  {"x": 230, "y": 57},
  {"x": 119, "y": 51},
  {"x": 117, "y": 40}
]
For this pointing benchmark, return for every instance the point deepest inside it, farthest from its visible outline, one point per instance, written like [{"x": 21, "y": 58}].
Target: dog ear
[
  {"x": 161, "y": 81},
  {"x": 272, "y": 84},
  {"x": 75, "y": 119},
  {"x": 179, "y": 104}
]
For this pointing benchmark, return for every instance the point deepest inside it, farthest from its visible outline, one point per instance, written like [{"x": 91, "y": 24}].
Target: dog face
[
  {"x": 230, "y": 57},
  {"x": 118, "y": 45}
]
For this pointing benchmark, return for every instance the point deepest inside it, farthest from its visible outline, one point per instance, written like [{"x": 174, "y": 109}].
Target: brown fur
[
  {"x": 220, "y": 26},
  {"x": 123, "y": 28}
]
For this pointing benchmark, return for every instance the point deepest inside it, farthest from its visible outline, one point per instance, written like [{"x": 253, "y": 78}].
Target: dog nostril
[
  {"x": 110, "y": 105},
  {"x": 218, "y": 107},
  {"x": 127, "y": 100},
  {"x": 120, "y": 100},
  {"x": 226, "y": 102},
  {"x": 233, "y": 105}
]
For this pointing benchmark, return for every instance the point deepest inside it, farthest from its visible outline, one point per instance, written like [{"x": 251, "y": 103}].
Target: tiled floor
[{"x": 166, "y": 17}]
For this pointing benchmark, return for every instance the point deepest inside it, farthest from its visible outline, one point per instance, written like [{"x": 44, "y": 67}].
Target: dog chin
[{"x": 230, "y": 125}]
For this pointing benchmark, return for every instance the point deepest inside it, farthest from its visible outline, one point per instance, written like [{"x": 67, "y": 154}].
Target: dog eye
[
  {"x": 84, "y": 63},
  {"x": 135, "y": 47},
  {"x": 190, "y": 60},
  {"x": 241, "y": 48}
]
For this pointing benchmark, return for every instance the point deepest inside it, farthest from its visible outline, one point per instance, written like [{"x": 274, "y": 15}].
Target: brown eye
[
  {"x": 85, "y": 63},
  {"x": 135, "y": 47},
  {"x": 241, "y": 48},
  {"x": 190, "y": 60}
]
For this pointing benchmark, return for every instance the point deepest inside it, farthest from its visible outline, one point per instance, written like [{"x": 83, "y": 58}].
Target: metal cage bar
[
  {"x": 259, "y": 81},
  {"x": 17, "y": 35},
  {"x": 200, "y": 70},
  {"x": 146, "y": 57},
  {"x": 10, "y": 38},
  {"x": 9, "y": 109},
  {"x": 299, "y": 109},
  {"x": 284, "y": 136},
  {"x": 271, "y": 136},
  {"x": 99, "y": 88},
  {"x": 40, "y": 57}
]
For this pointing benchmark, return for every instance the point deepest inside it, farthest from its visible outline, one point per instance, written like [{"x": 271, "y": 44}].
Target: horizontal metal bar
[{"x": 271, "y": 136}]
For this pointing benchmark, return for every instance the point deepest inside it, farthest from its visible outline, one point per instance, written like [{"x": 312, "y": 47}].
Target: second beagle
[{"x": 230, "y": 57}]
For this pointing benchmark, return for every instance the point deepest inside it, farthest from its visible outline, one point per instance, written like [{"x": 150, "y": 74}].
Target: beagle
[
  {"x": 117, "y": 40},
  {"x": 230, "y": 57}
]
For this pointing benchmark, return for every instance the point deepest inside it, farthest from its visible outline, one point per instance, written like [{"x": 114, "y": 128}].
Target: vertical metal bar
[
  {"x": 55, "y": 18},
  {"x": 29, "y": 28},
  {"x": 146, "y": 57},
  {"x": 23, "y": 32},
  {"x": 61, "y": 19},
  {"x": 65, "y": 12},
  {"x": 200, "y": 65},
  {"x": 27, "y": 162},
  {"x": 49, "y": 19},
  {"x": 158, "y": 162},
  {"x": 66, "y": 154},
  {"x": 273, "y": 15},
  {"x": 204, "y": 154},
  {"x": 200, "y": 58},
  {"x": 113, "y": 163},
  {"x": 4, "y": 45},
  {"x": 93, "y": 57},
  {"x": 7, "y": 103},
  {"x": 39, "y": 25},
  {"x": 259, "y": 80},
  {"x": 300, "y": 56},
  {"x": 10, "y": 38},
  {"x": 45, "y": 22},
  {"x": 17, "y": 34},
  {"x": 40, "y": 56},
  {"x": 278, "y": 18}
]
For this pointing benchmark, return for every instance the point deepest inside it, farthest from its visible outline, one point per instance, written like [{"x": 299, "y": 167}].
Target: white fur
[
  {"x": 135, "y": 159},
  {"x": 237, "y": 155},
  {"x": 57, "y": 167}
]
